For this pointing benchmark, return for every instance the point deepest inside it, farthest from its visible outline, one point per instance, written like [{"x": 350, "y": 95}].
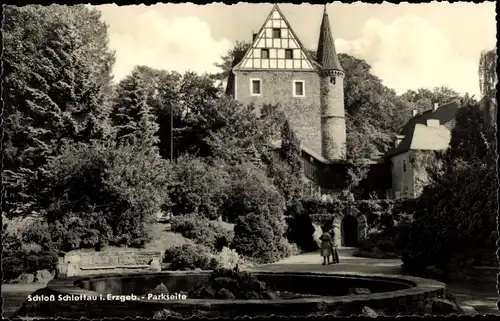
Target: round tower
[{"x": 333, "y": 127}]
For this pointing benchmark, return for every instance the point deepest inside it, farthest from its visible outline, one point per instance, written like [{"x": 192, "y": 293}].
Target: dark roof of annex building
[{"x": 445, "y": 114}]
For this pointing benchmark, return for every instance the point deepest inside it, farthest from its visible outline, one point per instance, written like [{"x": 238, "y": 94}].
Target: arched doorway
[{"x": 349, "y": 231}]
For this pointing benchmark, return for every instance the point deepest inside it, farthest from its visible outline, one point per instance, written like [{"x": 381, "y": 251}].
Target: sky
[{"x": 409, "y": 46}]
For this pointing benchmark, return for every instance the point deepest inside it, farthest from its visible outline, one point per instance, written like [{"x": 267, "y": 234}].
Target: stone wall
[
  {"x": 410, "y": 300},
  {"x": 92, "y": 263},
  {"x": 277, "y": 88}
]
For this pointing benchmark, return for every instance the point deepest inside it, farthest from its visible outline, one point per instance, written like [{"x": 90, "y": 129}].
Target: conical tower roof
[{"x": 326, "y": 54}]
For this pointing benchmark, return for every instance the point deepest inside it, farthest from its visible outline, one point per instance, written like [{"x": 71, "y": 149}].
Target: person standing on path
[
  {"x": 326, "y": 247},
  {"x": 335, "y": 253}
]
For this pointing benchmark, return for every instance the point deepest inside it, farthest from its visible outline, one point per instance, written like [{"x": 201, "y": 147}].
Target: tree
[
  {"x": 103, "y": 193},
  {"x": 233, "y": 132},
  {"x": 424, "y": 99},
  {"x": 458, "y": 210},
  {"x": 199, "y": 186},
  {"x": 488, "y": 77},
  {"x": 227, "y": 60},
  {"x": 256, "y": 207},
  {"x": 57, "y": 72},
  {"x": 133, "y": 117},
  {"x": 488, "y": 80}
]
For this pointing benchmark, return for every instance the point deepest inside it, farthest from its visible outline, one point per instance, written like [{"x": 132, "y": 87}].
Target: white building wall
[{"x": 402, "y": 176}]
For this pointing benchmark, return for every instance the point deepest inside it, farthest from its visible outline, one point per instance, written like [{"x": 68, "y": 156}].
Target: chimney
[
  {"x": 414, "y": 113},
  {"x": 254, "y": 35},
  {"x": 433, "y": 123},
  {"x": 435, "y": 106},
  {"x": 398, "y": 140}
]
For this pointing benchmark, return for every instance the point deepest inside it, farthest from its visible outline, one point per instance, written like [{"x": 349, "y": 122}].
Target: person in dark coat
[
  {"x": 335, "y": 254},
  {"x": 326, "y": 247}
]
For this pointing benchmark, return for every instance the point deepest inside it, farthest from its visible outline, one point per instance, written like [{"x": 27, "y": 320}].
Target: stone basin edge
[{"x": 419, "y": 289}]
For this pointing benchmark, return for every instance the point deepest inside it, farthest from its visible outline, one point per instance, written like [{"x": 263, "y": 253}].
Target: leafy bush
[
  {"x": 46, "y": 260},
  {"x": 254, "y": 237},
  {"x": 382, "y": 243},
  {"x": 458, "y": 210},
  {"x": 31, "y": 248},
  {"x": 38, "y": 232},
  {"x": 190, "y": 257},
  {"x": 258, "y": 208},
  {"x": 202, "y": 231},
  {"x": 227, "y": 258},
  {"x": 12, "y": 266},
  {"x": 300, "y": 228},
  {"x": 287, "y": 249},
  {"x": 16, "y": 263},
  {"x": 103, "y": 194},
  {"x": 200, "y": 187}
]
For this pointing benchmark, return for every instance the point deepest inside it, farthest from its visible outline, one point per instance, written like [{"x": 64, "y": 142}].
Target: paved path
[
  {"x": 313, "y": 262},
  {"x": 482, "y": 295},
  {"x": 14, "y": 295}
]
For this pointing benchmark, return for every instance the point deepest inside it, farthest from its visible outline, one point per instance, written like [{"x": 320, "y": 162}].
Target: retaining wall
[{"x": 93, "y": 263}]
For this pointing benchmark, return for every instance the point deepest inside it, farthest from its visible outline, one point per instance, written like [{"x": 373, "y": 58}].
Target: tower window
[
  {"x": 298, "y": 88},
  {"x": 276, "y": 33},
  {"x": 264, "y": 53},
  {"x": 404, "y": 166},
  {"x": 288, "y": 54},
  {"x": 255, "y": 87},
  {"x": 333, "y": 81}
]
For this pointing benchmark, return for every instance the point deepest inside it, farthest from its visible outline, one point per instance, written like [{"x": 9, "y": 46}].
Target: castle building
[{"x": 277, "y": 70}]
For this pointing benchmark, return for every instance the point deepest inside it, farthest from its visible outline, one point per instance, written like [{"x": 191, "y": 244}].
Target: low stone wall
[
  {"x": 408, "y": 296},
  {"x": 93, "y": 263}
]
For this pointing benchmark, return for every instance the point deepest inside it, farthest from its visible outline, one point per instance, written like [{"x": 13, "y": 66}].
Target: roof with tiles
[
  {"x": 419, "y": 136},
  {"x": 326, "y": 54}
]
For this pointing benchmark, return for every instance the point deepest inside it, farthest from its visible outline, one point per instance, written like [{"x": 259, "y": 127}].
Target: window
[
  {"x": 288, "y": 54},
  {"x": 276, "y": 33},
  {"x": 255, "y": 88},
  {"x": 332, "y": 80},
  {"x": 298, "y": 88},
  {"x": 404, "y": 166},
  {"x": 264, "y": 53}
]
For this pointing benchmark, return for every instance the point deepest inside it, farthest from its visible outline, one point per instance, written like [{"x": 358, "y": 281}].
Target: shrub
[
  {"x": 31, "y": 248},
  {"x": 12, "y": 266},
  {"x": 287, "y": 249},
  {"x": 458, "y": 209},
  {"x": 202, "y": 231},
  {"x": 387, "y": 246},
  {"x": 190, "y": 257},
  {"x": 46, "y": 260},
  {"x": 300, "y": 229},
  {"x": 199, "y": 187},
  {"x": 21, "y": 262},
  {"x": 254, "y": 237},
  {"x": 227, "y": 258},
  {"x": 103, "y": 194},
  {"x": 38, "y": 232},
  {"x": 258, "y": 209},
  {"x": 11, "y": 244}
]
